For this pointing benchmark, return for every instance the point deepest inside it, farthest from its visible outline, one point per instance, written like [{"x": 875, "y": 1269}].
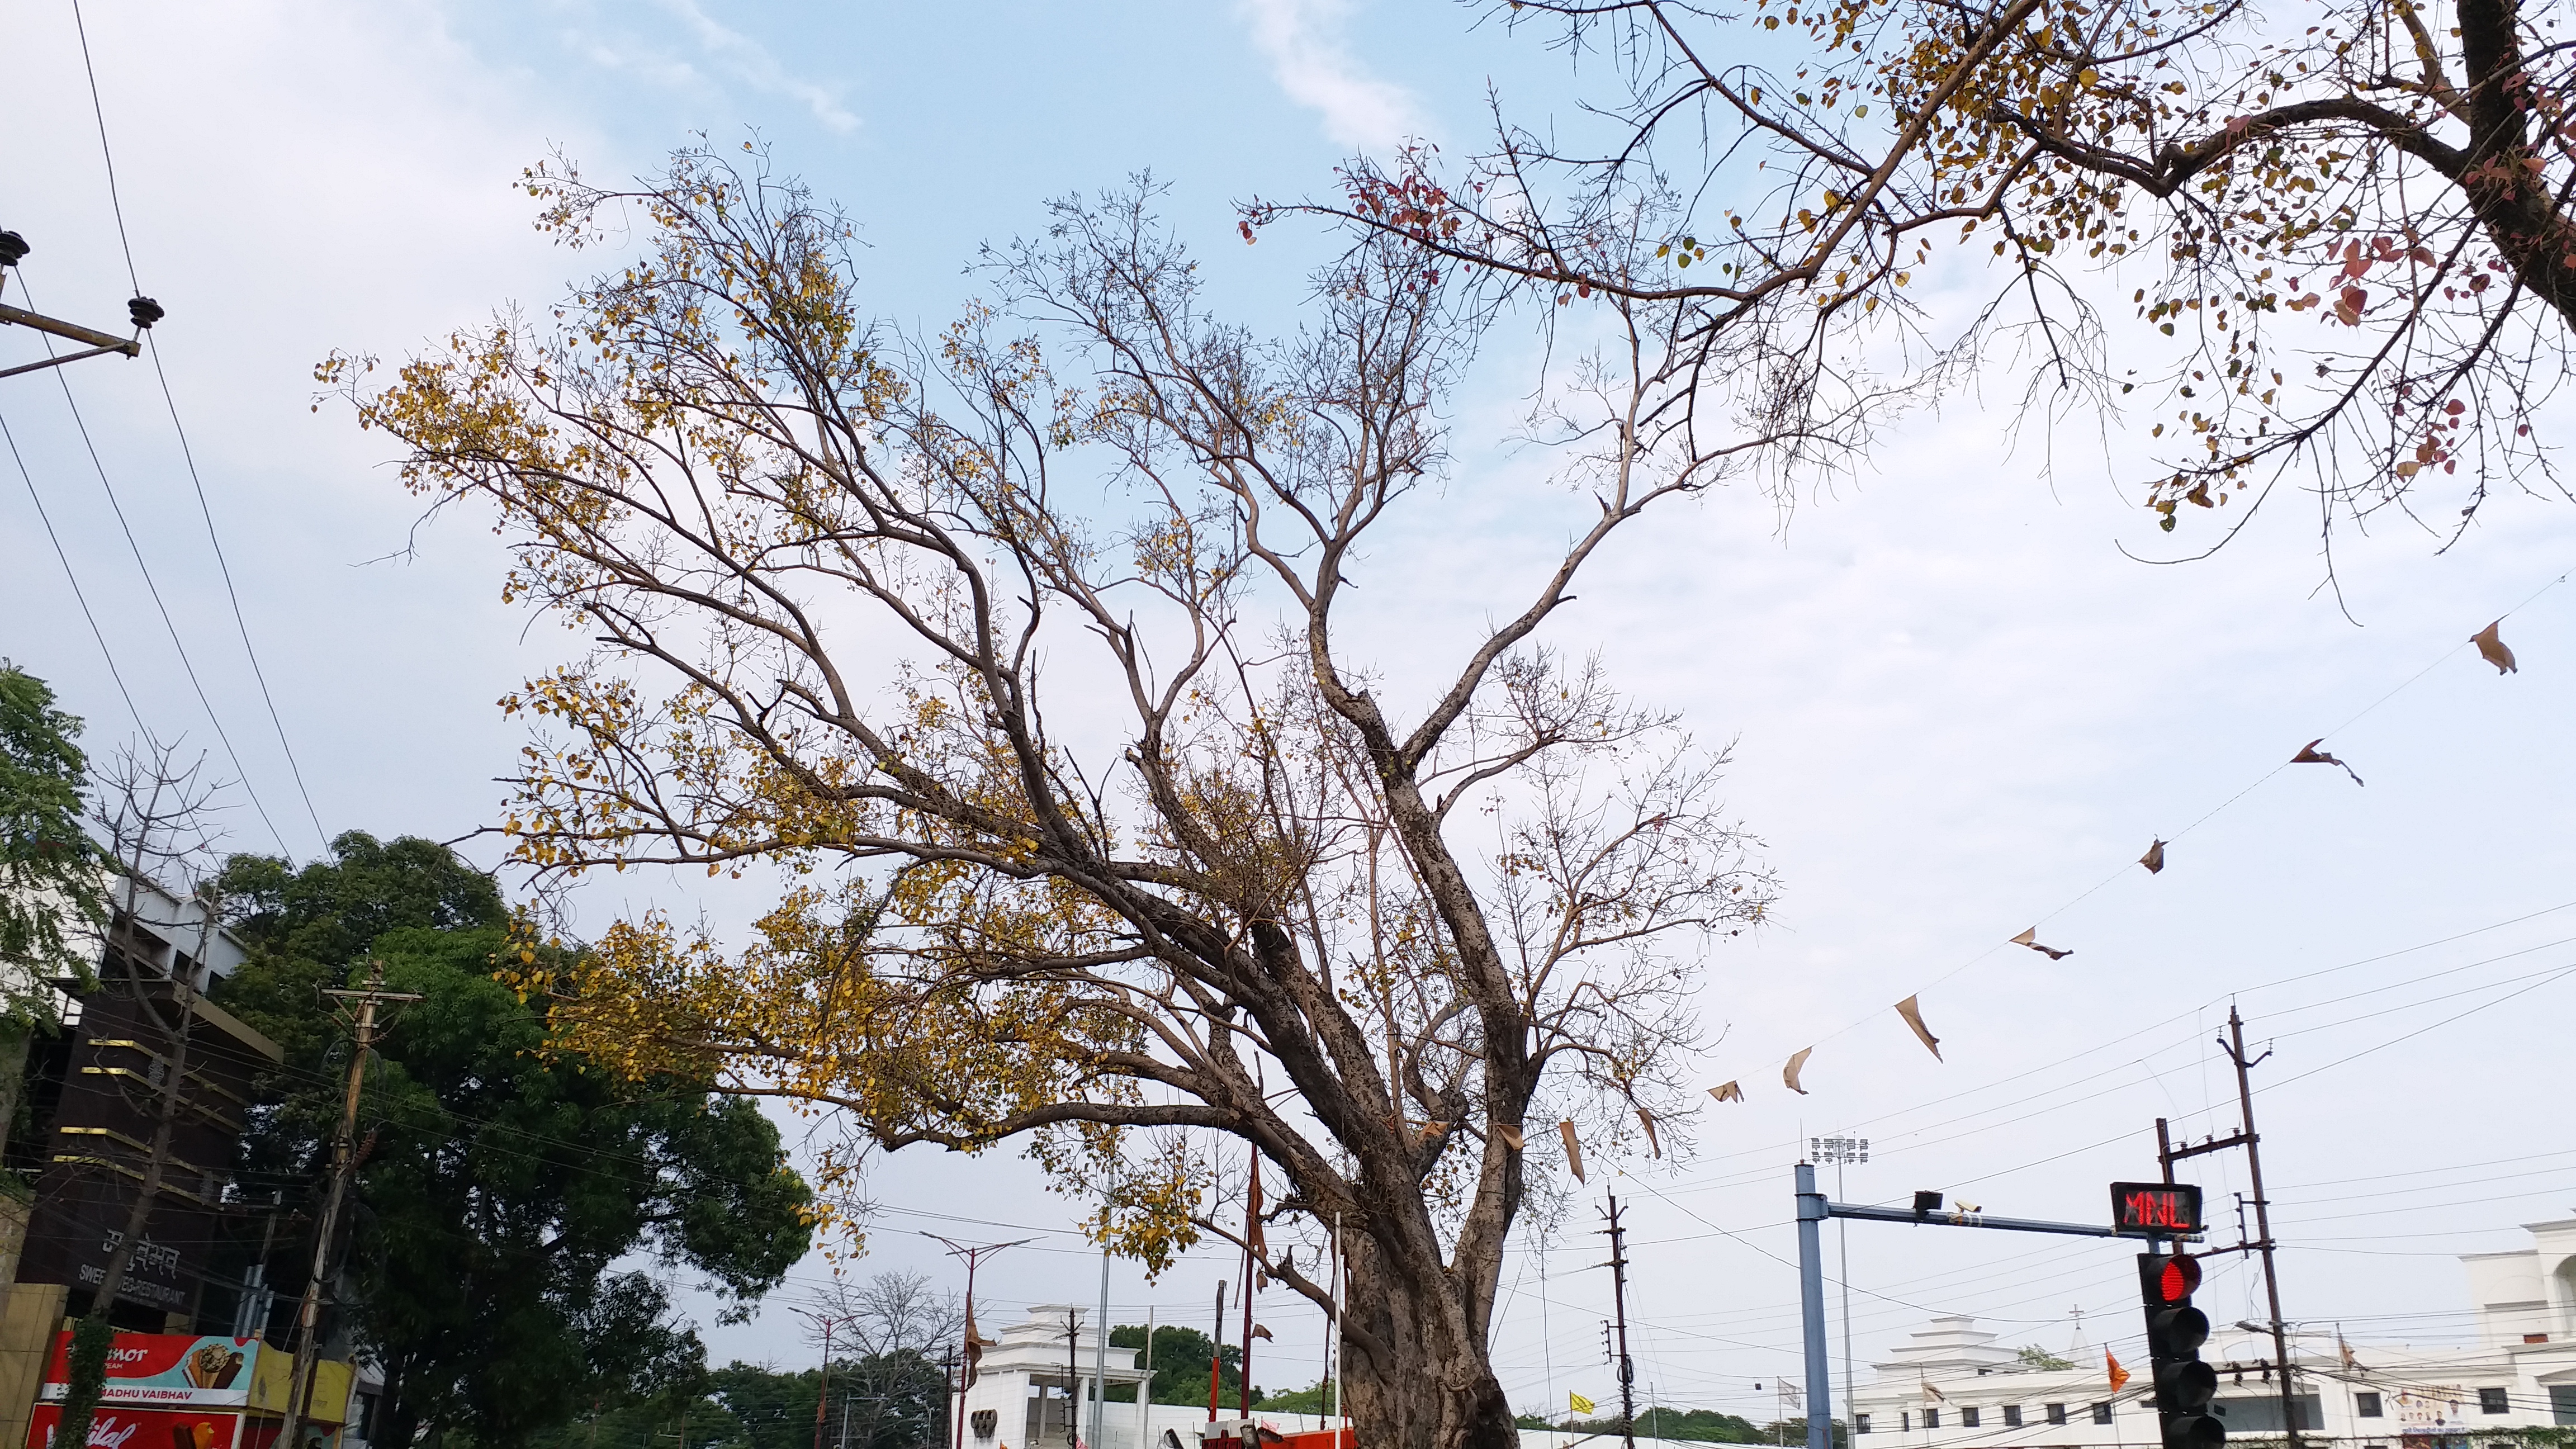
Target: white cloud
[
  {"x": 751, "y": 63},
  {"x": 1303, "y": 42}
]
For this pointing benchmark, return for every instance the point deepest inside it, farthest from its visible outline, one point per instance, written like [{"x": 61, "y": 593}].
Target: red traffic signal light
[
  {"x": 2180, "y": 1276},
  {"x": 2175, "y": 1331}
]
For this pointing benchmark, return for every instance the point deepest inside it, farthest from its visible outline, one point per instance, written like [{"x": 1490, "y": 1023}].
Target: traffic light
[{"x": 2175, "y": 1332}]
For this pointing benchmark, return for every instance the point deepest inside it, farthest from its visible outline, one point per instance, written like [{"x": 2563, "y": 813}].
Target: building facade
[{"x": 1953, "y": 1386}]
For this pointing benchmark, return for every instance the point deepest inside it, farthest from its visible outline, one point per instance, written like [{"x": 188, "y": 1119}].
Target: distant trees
[
  {"x": 498, "y": 1185},
  {"x": 1690, "y": 1426},
  {"x": 1180, "y": 1360},
  {"x": 889, "y": 1380}
]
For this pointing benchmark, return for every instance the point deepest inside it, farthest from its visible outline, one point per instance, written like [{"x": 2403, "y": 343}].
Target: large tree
[
  {"x": 500, "y": 1189},
  {"x": 1104, "y": 812},
  {"x": 2351, "y": 218}
]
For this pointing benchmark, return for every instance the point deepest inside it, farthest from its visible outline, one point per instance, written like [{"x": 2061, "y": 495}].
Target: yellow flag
[
  {"x": 2119, "y": 1375},
  {"x": 1577, "y": 1403}
]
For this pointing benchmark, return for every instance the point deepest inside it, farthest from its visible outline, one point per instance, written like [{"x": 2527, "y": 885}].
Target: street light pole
[
  {"x": 823, "y": 1387},
  {"x": 973, "y": 1255}
]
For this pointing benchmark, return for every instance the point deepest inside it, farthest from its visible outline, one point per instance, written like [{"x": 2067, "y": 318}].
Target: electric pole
[
  {"x": 344, "y": 1163},
  {"x": 2246, "y": 1137},
  {"x": 2235, "y": 1045},
  {"x": 1619, "y": 1305}
]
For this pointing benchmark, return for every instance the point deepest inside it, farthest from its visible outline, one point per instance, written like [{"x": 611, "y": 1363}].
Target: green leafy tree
[
  {"x": 52, "y": 885},
  {"x": 773, "y": 1410},
  {"x": 2032, "y": 1356},
  {"x": 1181, "y": 1366},
  {"x": 499, "y": 1186}
]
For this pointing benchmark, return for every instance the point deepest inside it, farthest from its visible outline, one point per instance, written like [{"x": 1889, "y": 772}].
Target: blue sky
[{"x": 1956, "y": 708}]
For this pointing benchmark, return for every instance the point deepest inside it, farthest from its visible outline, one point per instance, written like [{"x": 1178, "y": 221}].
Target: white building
[
  {"x": 1954, "y": 1387},
  {"x": 1019, "y": 1399}
]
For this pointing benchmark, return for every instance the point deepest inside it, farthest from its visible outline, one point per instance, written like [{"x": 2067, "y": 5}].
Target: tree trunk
[{"x": 1415, "y": 1381}]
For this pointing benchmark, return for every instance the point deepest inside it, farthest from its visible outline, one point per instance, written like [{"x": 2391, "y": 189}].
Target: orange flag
[{"x": 2119, "y": 1375}]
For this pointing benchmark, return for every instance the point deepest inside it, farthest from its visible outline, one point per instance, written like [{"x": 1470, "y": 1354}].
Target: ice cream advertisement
[{"x": 162, "y": 1368}]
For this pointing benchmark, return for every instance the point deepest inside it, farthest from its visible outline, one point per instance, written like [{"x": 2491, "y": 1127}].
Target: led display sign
[{"x": 2155, "y": 1209}]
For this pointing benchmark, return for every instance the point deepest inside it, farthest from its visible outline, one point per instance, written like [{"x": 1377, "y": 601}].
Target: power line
[
  {"x": 74, "y": 579},
  {"x": 99, "y": 111},
  {"x": 154, "y": 588},
  {"x": 116, "y": 204},
  {"x": 224, "y": 566}
]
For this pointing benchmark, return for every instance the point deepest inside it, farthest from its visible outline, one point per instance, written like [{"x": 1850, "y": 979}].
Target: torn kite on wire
[
  {"x": 1913, "y": 1015},
  {"x": 1573, "y": 1149},
  {"x": 2493, "y": 649},
  {"x": 1648, "y": 1122},
  {"x": 2154, "y": 859},
  {"x": 1511, "y": 1136},
  {"x": 1727, "y": 1092},
  {"x": 2030, "y": 938},
  {"x": 1797, "y": 1064},
  {"x": 2309, "y": 754}
]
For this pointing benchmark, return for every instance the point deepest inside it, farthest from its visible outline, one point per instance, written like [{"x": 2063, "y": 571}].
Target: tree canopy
[
  {"x": 2342, "y": 228},
  {"x": 1028, "y": 658},
  {"x": 500, "y": 1189},
  {"x": 52, "y": 878}
]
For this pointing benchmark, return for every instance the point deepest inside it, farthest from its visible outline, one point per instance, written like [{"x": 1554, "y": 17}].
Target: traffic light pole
[{"x": 1813, "y": 1209}]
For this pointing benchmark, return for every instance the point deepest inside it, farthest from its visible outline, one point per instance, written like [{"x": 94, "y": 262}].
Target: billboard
[
  {"x": 167, "y": 1369},
  {"x": 121, "y": 1426}
]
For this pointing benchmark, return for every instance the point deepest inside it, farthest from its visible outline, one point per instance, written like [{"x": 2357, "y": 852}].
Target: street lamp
[
  {"x": 823, "y": 1390},
  {"x": 966, "y": 1371}
]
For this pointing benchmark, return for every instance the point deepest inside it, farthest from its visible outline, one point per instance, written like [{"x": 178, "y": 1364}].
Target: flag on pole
[
  {"x": 2119, "y": 1375},
  {"x": 1576, "y": 1403}
]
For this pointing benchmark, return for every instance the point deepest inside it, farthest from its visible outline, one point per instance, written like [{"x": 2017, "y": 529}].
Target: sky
[{"x": 1955, "y": 708}]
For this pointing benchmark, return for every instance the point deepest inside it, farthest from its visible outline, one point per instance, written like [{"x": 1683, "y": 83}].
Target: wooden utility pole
[
  {"x": 2235, "y": 1045},
  {"x": 344, "y": 1162},
  {"x": 1619, "y": 1305}
]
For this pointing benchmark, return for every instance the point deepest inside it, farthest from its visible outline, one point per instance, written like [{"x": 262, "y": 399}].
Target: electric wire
[
  {"x": 81, "y": 28},
  {"x": 2125, "y": 867},
  {"x": 69, "y": 576},
  {"x": 116, "y": 204},
  {"x": 224, "y": 567},
  {"x": 153, "y": 587}
]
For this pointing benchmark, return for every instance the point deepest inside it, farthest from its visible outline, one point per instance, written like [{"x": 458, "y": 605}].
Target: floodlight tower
[{"x": 1840, "y": 1151}]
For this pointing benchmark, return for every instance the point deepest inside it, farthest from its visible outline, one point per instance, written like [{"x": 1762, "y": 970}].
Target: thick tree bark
[{"x": 1412, "y": 1376}]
